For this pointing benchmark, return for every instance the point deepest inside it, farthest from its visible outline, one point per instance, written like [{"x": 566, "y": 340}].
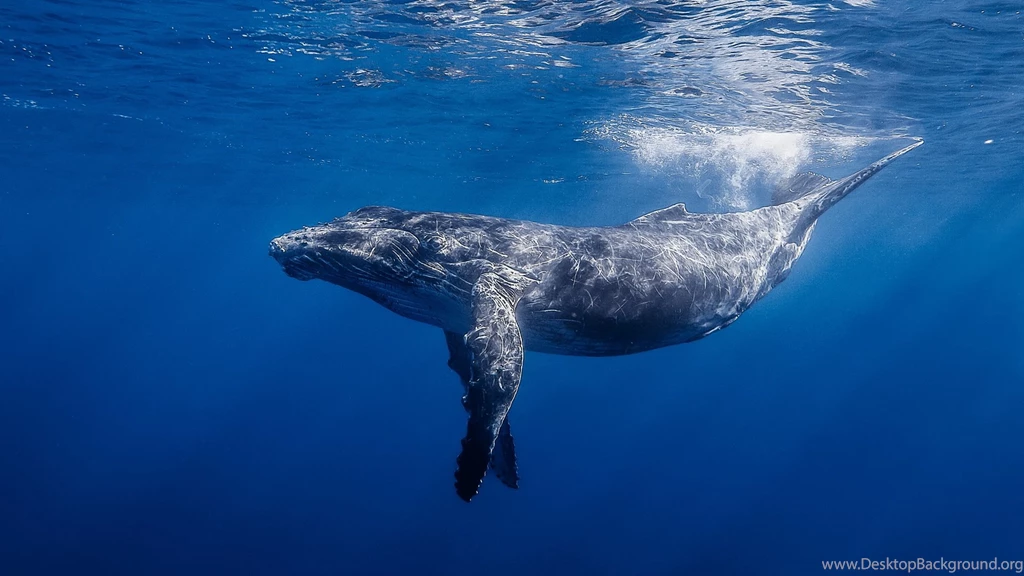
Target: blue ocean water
[{"x": 172, "y": 403}]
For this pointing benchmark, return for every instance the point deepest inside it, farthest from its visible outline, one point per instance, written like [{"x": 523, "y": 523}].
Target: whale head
[{"x": 375, "y": 251}]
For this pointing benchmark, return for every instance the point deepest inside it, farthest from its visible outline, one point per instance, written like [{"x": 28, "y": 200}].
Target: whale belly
[
  {"x": 590, "y": 320},
  {"x": 581, "y": 333}
]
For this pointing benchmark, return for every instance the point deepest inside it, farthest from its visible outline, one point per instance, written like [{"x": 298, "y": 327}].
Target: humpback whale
[{"x": 498, "y": 287}]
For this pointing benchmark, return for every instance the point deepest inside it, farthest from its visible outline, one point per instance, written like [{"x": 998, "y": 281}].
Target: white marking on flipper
[{"x": 496, "y": 347}]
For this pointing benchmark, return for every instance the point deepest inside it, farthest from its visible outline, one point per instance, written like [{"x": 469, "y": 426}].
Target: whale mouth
[
  {"x": 295, "y": 264},
  {"x": 347, "y": 256},
  {"x": 299, "y": 258},
  {"x": 278, "y": 251}
]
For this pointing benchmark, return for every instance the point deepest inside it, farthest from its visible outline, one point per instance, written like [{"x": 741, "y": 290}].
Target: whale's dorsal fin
[
  {"x": 503, "y": 458},
  {"x": 496, "y": 366},
  {"x": 673, "y": 212},
  {"x": 798, "y": 186}
]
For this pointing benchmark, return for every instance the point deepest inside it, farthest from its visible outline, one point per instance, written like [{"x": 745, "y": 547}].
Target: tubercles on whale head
[{"x": 355, "y": 251}]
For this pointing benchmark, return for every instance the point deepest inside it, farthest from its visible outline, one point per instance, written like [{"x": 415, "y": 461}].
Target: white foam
[{"x": 731, "y": 164}]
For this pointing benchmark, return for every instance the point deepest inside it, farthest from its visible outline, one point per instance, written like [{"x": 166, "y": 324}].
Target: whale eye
[{"x": 435, "y": 243}]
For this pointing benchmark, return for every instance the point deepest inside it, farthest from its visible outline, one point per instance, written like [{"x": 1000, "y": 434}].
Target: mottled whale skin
[{"x": 497, "y": 287}]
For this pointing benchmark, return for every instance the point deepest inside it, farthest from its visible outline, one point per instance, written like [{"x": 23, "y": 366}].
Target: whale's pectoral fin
[
  {"x": 459, "y": 356},
  {"x": 496, "y": 365},
  {"x": 503, "y": 457}
]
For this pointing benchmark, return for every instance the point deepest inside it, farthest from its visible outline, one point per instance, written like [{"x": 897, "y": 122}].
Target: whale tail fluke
[
  {"x": 798, "y": 186},
  {"x": 823, "y": 192},
  {"x": 838, "y": 190},
  {"x": 814, "y": 194}
]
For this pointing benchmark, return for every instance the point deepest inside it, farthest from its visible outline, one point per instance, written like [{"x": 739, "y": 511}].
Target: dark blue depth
[{"x": 172, "y": 403}]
